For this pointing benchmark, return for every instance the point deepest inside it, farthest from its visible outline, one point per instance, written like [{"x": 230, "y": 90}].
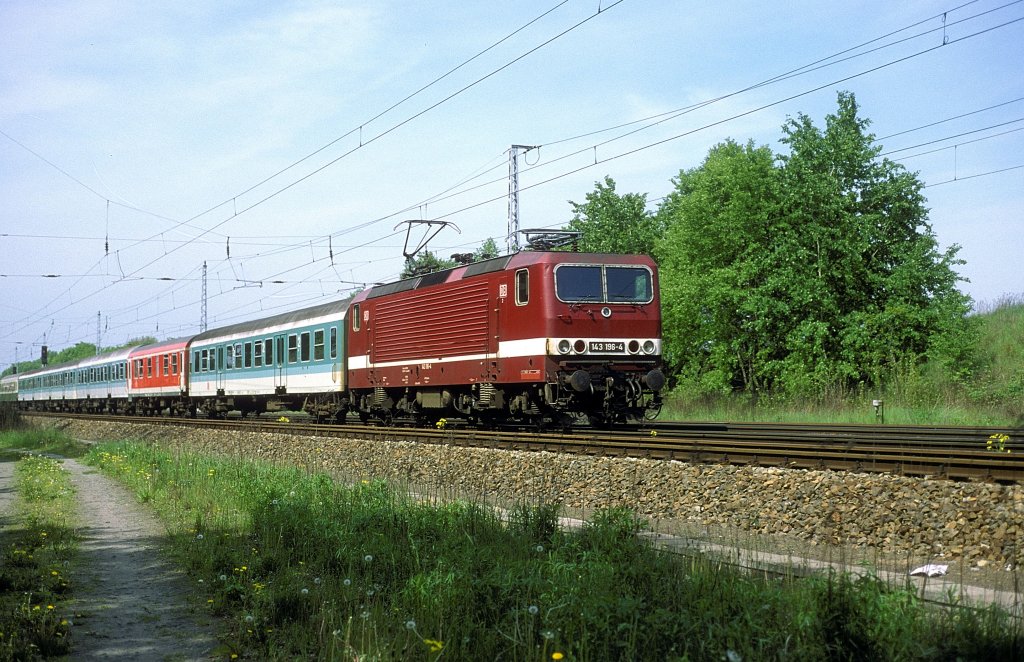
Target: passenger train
[{"x": 543, "y": 338}]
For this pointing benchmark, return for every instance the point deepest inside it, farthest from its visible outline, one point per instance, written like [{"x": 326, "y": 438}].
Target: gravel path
[
  {"x": 129, "y": 602},
  {"x": 6, "y": 490},
  {"x": 132, "y": 603}
]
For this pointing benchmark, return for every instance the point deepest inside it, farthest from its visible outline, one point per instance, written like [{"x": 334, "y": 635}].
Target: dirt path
[
  {"x": 132, "y": 603},
  {"x": 6, "y": 490},
  {"x": 129, "y": 602}
]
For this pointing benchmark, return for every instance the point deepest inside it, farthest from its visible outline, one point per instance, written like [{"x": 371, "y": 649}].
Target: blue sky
[{"x": 141, "y": 139}]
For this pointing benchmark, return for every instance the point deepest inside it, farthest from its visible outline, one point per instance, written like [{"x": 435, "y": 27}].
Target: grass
[
  {"x": 300, "y": 566},
  {"x": 991, "y": 393},
  {"x": 37, "y": 549},
  {"x": 850, "y": 409}
]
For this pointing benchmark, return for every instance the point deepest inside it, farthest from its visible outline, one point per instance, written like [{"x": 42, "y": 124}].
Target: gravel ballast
[{"x": 972, "y": 525}]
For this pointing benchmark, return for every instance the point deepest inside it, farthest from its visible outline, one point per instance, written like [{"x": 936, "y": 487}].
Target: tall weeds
[{"x": 301, "y": 566}]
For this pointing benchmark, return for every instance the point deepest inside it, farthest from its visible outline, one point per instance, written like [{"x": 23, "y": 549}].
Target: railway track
[{"x": 957, "y": 453}]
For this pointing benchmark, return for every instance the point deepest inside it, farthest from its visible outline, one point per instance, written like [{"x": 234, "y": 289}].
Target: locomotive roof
[
  {"x": 277, "y": 320},
  {"x": 503, "y": 263}
]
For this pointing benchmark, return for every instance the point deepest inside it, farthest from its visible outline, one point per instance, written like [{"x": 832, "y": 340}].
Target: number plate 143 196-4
[{"x": 605, "y": 347}]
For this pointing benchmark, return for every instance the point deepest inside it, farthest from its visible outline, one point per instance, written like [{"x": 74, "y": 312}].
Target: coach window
[
  {"x": 304, "y": 346},
  {"x": 149, "y": 366},
  {"x": 167, "y": 364},
  {"x": 293, "y": 348},
  {"x": 257, "y": 354},
  {"x": 216, "y": 358},
  {"x": 280, "y": 350},
  {"x": 356, "y": 317},
  {"x": 174, "y": 364},
  {"x": 205, "y": 361},
  {"x": 231, "y": 358},
  {"x": 268, "y": 349},
  {"x": 248, "y": 355},
  {"x": 318, "y": 345},
  {"x": 522, "y": 287},
  {"x": 195, "y": 361},
  {"x": 334, "y": 342}
]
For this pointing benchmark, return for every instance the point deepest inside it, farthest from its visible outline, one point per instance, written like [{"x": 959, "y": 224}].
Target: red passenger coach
[
  {"x": 158, "y": 377},
  {"x": 540, "y": 337}
]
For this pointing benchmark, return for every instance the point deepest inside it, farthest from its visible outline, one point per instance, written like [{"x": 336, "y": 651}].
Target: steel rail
[{"x": 952, "y": 453}]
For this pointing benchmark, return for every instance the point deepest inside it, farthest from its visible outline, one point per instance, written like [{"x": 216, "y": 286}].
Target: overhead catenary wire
[
  {"x": 713, "y": 124},
  {"x": 380, "y": 135}
]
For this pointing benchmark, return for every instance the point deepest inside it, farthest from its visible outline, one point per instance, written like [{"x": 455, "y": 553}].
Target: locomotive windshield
[{"x": 603, "y": 284}]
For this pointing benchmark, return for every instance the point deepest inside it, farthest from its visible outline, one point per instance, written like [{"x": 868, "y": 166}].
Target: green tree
[
  {"x": 610, "y": 223},
  {"x": 875, "y": 286},
  {"x": 425, "y": 263},
  {"x": 719, "y": 269},
  {"x": 77, "y": 352},
  {"x": 811, "y": 269},
  {"x": 486, "y": 251}
]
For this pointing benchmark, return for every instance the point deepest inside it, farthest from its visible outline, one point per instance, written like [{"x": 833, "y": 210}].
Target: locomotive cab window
[
  {"x": 356, "y": 317},
  {"x": 603, "y": 284},
  {"x": 522, "y": 287},
  {"x": 628, "y": 285}
]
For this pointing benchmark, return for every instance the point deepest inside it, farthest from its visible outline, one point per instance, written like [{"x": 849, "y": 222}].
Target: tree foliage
[
  {"x": 810, "y": 269},
  {"x": 82, "y": 350},
  {"x": 610, "y": 223},
  {"x": 424, "y": 263},
  {"x": 487, "y": 250}
]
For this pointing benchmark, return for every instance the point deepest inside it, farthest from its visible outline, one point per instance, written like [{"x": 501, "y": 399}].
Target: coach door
[
  {"x": 218, "y": 366},
  {"x": 280, "y": 365}
]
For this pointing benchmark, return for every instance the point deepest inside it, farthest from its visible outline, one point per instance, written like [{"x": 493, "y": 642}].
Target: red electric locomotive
[{"x": 536, "y": 337}]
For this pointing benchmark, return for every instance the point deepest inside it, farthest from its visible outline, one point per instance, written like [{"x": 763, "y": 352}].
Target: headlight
[
  {"x": 634, "y": 346},
  {"x": 579, "y": 346},
  {"x": 649, "y": 347},
  {"x": 564, "y": 346}
]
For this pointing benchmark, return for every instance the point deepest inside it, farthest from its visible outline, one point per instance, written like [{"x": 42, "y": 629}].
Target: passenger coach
[{"x": 285, "y": 362}]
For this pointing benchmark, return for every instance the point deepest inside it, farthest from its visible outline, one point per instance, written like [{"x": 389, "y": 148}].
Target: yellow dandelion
[{"x": 556, "y": 656}]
